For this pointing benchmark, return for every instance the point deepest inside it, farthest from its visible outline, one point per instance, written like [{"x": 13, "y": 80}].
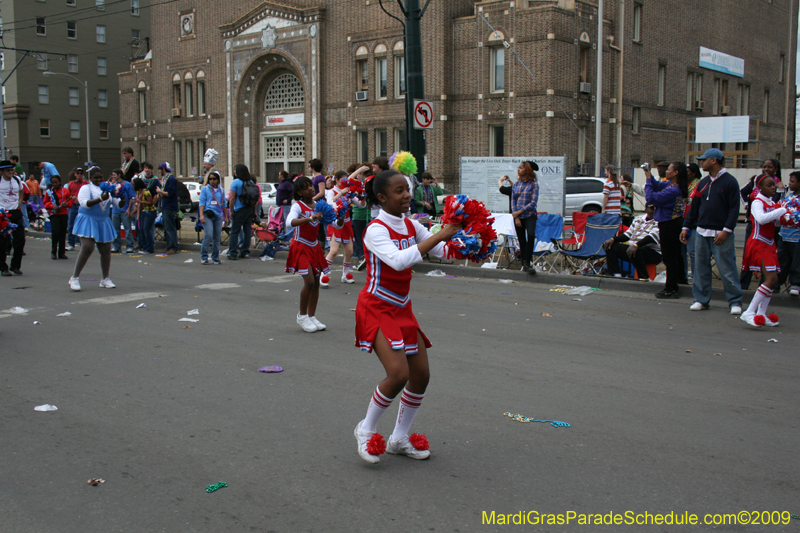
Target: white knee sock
[
  {"x": 763, "y": 293},
  {"x": 345, "y": 269},
  {"x": 762, "y": 307},
  {"x": 377, "y": 406},
  {"x": 409, "y": 405}
]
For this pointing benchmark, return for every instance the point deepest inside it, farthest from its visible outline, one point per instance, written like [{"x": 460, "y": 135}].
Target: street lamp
[{"x": 86, "y": 98}]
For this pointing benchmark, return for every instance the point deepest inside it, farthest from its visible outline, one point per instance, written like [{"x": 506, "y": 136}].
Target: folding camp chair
[
  {"x": 548, "y": 227},
  {"x": 589, "y": 257}
]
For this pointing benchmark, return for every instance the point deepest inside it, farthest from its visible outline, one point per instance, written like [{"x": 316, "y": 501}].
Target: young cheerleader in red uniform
[
  {"x": 305, "y": 253},
  {"x": 344, "y": 235},
  {"x": 385, "y": 321},
  {"x": 761, "y": 253}
]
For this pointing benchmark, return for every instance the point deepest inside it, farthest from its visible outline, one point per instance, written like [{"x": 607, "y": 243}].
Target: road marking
[
  {"x": 276, "y": 279},
  {"x": 218, "y": 286},
  {"x": 122, "y": 298}
]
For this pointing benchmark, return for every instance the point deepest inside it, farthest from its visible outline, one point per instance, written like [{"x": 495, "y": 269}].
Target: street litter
[
  {"x": 579, "y": 291},
  {"x": 187, "y": 327},
  {"x": 489, "y": 265},
  {"x": 579, "y": 300},
  {"x": 37, "y": 323},
  {"x": 17, "y": 310},
  {"x": 216, "y": 486},
  {"x": 189, "y": 261},
  {"x": 270, "y": 369},
  {"x": 65, "y": 314},
  {"x": 193, "y": 312},
  {"x": 140, "y": 306},
  {"x": 773, "y": 340},
  {"x": 505, "y": 293},
  {"x": 436, "y": 274},
  {"x": 547, "y": 315},
  {"x": 95, "y": 481},
  {"x": 688, "y": 351},
  {"x": 525, "y": 419},
  {"x": 46, "y": 407},
  {"x": 505, "y": 281},
  {"x": 188, "y": 320},
  {"x": 717, "y": 354}
]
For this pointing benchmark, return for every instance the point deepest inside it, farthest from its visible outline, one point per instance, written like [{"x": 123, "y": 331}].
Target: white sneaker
[
  {"x": 697, "y": 306},
  {"x": 404, "y": 447},
  {"x": 320, "y": 326},
  {"x": 69, "y": 248},
  {"x": 736, "y": 310},
  {"x": 204, "y": 261},
  {"x": 771, "y": 320},
  {"x": 363, "y": 438},
  {"x": 794, "y": 290},
  {"x": 307, "y": 325},
  {"x": 348, "y": 279},
  {"x": 323, "y": 281},
  {"x": 267, "y": 258},
  {"x": 75, "y": 284},
  {"x": 107, "y": 284},
  {"x": 749, "y": 318}
]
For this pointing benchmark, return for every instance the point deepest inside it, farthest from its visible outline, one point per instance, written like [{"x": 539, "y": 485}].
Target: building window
[
  {"x": 201, "y": 96},
  {"x": 135, "y": 36},
  {"x": 662, "y": 82},
  {"x": 100, "y": 4},
  {"x": 71, "y": 3},
  {"x": 178, "y": 159},
  {"x": 44, "y": 128},
  {"x": 636, "y": 118},
  {"x": 176, "y": 99},
  {"x": 72, "y": 63},
  {"x": 723, "y": 94},
  {"x": 782, "y": 65},
  {"x": 189, "y": 100},
  {"x": 286, "y": 92},
  {"x": 362, "y": 68},
  {"x": 381, "y": 143},
  {"x": 102, "y": 98},
  {"x": 715, "y": 99},
  {"x": 400, "y": 140},
  {"x": 497, "y": 67},
  {"x": 72, "y": 29},
  {"x": 41, "y": 26},
  {"x": 497, "y": 141},
  {"x": 743, "y": 105},
  {"x": 142, "y": 106},
  {"x": 765, "y": 110},
  {"x": 190, "y": 158},
  {"x": 135, "y": 11},
  {"x": 201, "y": 147},
  {"x": 44, "y": 94},
  {"x": 363, "y": 145},
  {"x": 381, "y": 78},
  {"x": 41, "y": 61},
  {"x": 74, "y": 96},
  {"x": 698, "y": 87},
  {"x": 101, "y": 66},
  {"x": 104, "y": 131},
  {"x": 74, "y": 129},
  {"x": 2, "y": 61},
  {"x": 143, "y": 152},
  {"x": 400, "y": 77},
  {"x": 101, "y": 33},
  {"x": 690, "y": 91},
  {"x": 584, "y": 64},
  {"x": 637, "y": 23}
]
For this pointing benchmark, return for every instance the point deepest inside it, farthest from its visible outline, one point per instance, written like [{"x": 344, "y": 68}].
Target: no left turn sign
[{"x": 423, "y": 115}]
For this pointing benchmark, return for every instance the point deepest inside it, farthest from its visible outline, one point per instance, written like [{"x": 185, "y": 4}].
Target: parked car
[
  {"x": 583, "y": 194},
  {"x": 268, "y": 193},
  {"x": 194, "y": 193}
]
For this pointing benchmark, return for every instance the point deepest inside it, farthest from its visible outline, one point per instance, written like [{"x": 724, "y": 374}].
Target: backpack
[
  {"x": 250, "y": 193},
  {"x": 23, "y": 189}
]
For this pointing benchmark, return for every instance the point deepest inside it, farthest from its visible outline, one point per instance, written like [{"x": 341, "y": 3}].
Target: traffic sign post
[{"x": 423, "y": 115}]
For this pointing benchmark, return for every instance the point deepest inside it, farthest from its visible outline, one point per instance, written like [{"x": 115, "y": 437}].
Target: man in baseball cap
[{"x": 713, "y": 153}]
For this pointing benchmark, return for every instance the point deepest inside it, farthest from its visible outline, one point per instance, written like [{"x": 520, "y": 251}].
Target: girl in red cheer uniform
[
  {"x": 385, "y": 321},
  {"x": 344, "y": 235},
  {"x": 760, "y": 252},
  {"x": 57, "y": 201},
  {"x": 305, "y": 253}
]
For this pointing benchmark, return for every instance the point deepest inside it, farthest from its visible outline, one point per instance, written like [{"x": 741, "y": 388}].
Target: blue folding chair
[
  {"x": 590, "y": 257},
  {"x": 548, "y": 227}
]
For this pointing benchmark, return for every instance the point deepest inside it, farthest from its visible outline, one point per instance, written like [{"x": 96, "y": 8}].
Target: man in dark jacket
[{"x": 713, "y": 215}]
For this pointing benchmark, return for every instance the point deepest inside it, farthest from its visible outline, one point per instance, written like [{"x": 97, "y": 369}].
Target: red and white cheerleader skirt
[
  {"x": 304, "y": 259},
  {"x": 344, "y": 235},
  {"x": 398, "y": 324},
  {"x": 756, "y": 252}
]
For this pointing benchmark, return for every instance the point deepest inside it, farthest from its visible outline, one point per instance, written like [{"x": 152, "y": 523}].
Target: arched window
[
  {"x": 285, "y": 92},
  {"x": 201, "y": 92},
  {"x": 140, "y": 91}
]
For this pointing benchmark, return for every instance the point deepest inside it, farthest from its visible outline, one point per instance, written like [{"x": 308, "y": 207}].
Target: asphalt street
[{"x": 670, "y": 411}]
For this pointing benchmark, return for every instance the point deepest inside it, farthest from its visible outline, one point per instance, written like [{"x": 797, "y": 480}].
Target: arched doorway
[{"x": 282, "y": 141}]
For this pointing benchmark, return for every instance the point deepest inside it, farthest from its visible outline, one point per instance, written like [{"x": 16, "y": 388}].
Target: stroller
[{"x": 272, "y": 239}]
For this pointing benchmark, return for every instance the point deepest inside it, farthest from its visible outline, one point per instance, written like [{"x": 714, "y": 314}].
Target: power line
[{"x": 63, "y": 13}]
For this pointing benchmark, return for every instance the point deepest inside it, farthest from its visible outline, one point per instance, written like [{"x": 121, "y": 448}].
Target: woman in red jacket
[{"x": 57, "y": 201}]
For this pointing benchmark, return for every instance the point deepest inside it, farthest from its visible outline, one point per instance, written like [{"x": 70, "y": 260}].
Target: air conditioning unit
[
  {"x": 586, "y": 87},
  {"x": 726, "y": 110},
  {"x": 176, "y": 111},
  {"x": 361, "y": 96},
  {"x": 700, "y": 105}
]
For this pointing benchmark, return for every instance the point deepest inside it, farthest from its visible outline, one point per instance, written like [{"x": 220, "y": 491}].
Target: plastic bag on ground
[
  {"x": 46, "y": 407},
  {"x": 489, "y": 265},
  {"x": 580, "y": 291},
  {"x": 661, "y": 277},
  {"x": 436, "y": 274}
]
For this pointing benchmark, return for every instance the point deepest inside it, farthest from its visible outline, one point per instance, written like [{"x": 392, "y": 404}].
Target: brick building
[
  {"x": 83, "y": 41},
  {"x": 273, "y": 85}
]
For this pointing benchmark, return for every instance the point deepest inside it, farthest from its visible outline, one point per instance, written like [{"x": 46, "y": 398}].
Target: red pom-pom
[
  {"x": 376, "y": 445},
  {"x": 325, "y": 279},
  {"x": 349, "y": 276},
  {"x": 419, "y": 442},
  {"x": 759, "y": 320},
  {"x": 773, "y": 318}
]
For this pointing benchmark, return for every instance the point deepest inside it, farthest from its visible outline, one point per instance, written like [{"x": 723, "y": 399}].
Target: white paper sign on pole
[
  {"x": 479, "y": 177},
  {"x": 723, "y": 130}
]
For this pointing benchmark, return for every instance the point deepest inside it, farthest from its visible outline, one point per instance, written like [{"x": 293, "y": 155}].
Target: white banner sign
[
  {"x": 723, "y": 130},
  {"x": 711, "y": 59},
  {"x": 286, "y": 120},
  {"x": 479, "y": 177}
]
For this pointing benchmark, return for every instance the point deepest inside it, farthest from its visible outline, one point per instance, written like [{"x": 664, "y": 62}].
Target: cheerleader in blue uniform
[{"x": 93, "y": 226}]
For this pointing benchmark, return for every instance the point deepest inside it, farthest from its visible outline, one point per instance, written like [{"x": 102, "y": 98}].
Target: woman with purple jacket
[
  {"x": 283, "y": 197},
  {"x": 669, "y": 198}
]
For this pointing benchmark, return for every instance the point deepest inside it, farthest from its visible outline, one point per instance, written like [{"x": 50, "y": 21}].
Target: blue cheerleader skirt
[{"x": 94, "y": 223}]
